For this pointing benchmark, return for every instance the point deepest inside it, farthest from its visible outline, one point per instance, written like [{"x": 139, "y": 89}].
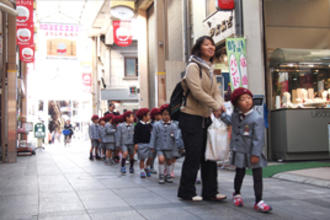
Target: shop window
[
  {"x": 300, "y": 78},
  {"x": 211, "y": 7},
  {"x": 131, "y": 67}
]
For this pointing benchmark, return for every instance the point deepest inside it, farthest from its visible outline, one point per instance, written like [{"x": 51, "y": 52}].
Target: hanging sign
[
  {"x": 24, "y": 35},
  {"x": 122, "y": 33},
  {"x": 27, "y": 53},
  {"x": 226, "y": 4},
  {"x": 87, "y": 79},
  {"x": 24, "y": 10},
  {"x": 236, "y": 52}
]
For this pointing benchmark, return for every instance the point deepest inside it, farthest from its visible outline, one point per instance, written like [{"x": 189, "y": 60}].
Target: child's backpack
[{"x": 179, "y": 98}]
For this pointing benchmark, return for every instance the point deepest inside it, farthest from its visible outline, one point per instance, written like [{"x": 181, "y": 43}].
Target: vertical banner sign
[
  {"x": 24, "y": 10},
  {"x": 122, "y": 33},
  {"x": 25, "y": 30},
  {"x": 236, "y": 52},
  {"x": 27, "y": 53}
]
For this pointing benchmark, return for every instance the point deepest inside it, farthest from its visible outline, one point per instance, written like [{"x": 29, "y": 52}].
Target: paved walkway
[{"x": 61, "y": 183}]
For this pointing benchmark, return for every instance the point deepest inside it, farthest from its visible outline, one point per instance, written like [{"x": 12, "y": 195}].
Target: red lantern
[{"x": 226, "y": 4}]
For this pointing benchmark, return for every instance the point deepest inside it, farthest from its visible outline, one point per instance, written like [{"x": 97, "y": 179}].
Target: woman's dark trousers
[{"x": 194, "y": 134}]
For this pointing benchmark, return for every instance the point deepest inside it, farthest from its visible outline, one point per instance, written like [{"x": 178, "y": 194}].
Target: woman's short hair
[{"x": 196, "y": 50}]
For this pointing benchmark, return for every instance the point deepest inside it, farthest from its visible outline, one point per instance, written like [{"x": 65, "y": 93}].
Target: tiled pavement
[{"x": 61, "y": 183}]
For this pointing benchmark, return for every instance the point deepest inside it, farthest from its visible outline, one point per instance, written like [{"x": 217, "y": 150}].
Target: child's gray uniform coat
[
  {"x": 93, "y": 132},
  {"x": 164, "y": 137},
  {"x": 125, "y": 137},
  {"x": 109, "y": 136},
  {"x": 247, "y": 139}
]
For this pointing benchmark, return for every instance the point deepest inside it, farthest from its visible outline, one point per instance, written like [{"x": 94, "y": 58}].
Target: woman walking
[{"x": 203, "y": 99}]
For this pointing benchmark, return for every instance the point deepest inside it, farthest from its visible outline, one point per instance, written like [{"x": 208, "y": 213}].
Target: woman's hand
[
  {"x": 254, "y": 159},
  {"x": 218, "y": 112}
]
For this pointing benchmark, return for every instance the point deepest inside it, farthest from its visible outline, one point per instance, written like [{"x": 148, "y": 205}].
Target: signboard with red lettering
[
  {"x": 236, "y": 52},
  {"x": 24, "y": 34},
  {"x": 27, "y": 53},
  {"x": 122, "y": 33},
  {"x": 226, "y": 4},
  {"x": 24, "y": 10}
]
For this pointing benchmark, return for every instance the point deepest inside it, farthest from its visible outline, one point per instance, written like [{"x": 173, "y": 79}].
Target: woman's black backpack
[{"x": 179, "y": 98}]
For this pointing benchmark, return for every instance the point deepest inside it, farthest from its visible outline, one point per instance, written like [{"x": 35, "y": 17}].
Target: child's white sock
[
  {"x": 161, "y": 169},
  {"x": 171, "y": 168}
]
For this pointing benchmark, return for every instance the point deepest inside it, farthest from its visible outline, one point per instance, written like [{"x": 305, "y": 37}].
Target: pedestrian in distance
[
  {"x": 164, "y": 141},
  {"x": 94, "y": 136},
  {"x": 247, "y": 142},
  {"x": 111, "y": 110},
  {"x": 142, "y": 132},
  {"x": 67, "y": 132},
  {"x": 203, "y": 99},
  {"x": 155, "y": 116},
  {"x": 125, "y": 140}
]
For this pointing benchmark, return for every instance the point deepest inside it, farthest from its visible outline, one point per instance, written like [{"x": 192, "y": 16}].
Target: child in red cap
[
  {"x": 125, "y": 140},
  {"x": 155, "y": 117},
  {"x": 247, "y": 141},
  {"x": 142, "y": 132}
]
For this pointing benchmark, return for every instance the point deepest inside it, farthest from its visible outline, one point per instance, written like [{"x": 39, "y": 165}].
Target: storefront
[{"x": 298, "y": 78}]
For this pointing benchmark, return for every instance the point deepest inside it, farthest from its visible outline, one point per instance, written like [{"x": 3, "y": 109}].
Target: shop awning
[{"x": 119, "y": 94}]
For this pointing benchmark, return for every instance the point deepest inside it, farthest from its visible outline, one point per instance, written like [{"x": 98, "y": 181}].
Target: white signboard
[{"x": 221, "y": 25}]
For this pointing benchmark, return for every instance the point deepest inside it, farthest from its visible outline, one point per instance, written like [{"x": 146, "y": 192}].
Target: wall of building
[
  {"x": 302, "y": 24},
  {"x": 253, "y": 32},
  {"x": 175, "y": 60},
  {"x": 152, "y": 59},
  {"x": 198, "y": 10}
]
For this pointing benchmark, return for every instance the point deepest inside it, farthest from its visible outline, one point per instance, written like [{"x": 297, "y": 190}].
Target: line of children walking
[{"x": 159, "y": 138}]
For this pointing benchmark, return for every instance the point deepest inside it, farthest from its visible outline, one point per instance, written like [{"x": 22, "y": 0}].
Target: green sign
[
  {"x": 236, "y": 53},
  {"x": 39, "y": 130}
]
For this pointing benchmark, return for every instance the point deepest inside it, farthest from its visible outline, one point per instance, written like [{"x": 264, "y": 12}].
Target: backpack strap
[{"x": 188, "y": 91}]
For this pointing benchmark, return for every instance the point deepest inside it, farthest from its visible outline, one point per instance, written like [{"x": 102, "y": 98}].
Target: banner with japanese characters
[
  {"x": 24, "y": 10},
  {"x": 122, "y": 33},
  {"x": 61, "y": 39},
  {"x": 236, "y": 53},
  {"x": 25, "y": 30},
  {"x": 27, "y": 53}
]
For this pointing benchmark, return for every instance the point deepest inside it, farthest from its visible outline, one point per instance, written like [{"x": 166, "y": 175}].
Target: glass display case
[
  {"x": 300, "y": 78},
  {"x": 300, "y": 113}
]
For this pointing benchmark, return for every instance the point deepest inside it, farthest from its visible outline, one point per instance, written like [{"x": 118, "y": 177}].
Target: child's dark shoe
[
  {"x": 131, "y": 170},
  {"x": 169, "y": 179},
  {"x": 148, "y": 173},
  {"x": 143, "y": 174},
  {"x": 123, "y": 170},
  {"x": 262, "y": 207},
  {"x": 161, "y": 179}
]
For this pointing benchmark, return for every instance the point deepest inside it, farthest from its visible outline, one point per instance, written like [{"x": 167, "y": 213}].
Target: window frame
[{"x": 136, "y": 67}]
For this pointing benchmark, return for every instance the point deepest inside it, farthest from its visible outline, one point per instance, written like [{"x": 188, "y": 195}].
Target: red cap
[
  {"x": 164, "y": 107},
  {"x": 95, "y": 117},
  {"x": 239, "y": 92},
  {"x": 154, "y": 112},
  {"x": 102, "y": 119},
  {"x": 108, "y": 117},
  {"x": 127, "y": 114},
  {"x": 142, "y": 112}
]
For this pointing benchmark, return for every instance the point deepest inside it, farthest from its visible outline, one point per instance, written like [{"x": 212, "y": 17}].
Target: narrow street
[{"x": 61, "y": 183}]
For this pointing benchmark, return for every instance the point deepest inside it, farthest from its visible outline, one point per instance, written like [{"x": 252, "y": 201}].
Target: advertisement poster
[
  {"x": 24, "y": 10},
  {"x": 61, "y": 39},
  {"x": 27, "y": 53},
  {"x": 236, "y": 52},
  {"x": 122, "y": 33}
]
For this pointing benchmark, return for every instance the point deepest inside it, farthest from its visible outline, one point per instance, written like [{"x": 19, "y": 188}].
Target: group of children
[
  {"x": 153, "y": 135},
  {"x": 161, "y": 137}
]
